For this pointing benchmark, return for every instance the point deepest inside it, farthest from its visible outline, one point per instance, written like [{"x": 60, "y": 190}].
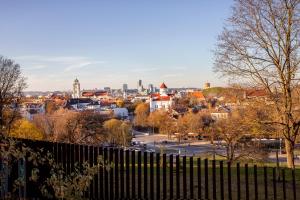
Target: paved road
[{"x": 161, "y": 143}]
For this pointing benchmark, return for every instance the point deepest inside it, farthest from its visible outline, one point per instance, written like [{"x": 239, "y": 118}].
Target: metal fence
[{"x": 143, "y": 175}]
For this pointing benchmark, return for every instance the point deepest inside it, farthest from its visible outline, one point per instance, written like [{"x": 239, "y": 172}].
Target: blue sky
[{"x": 110, "y": 42}]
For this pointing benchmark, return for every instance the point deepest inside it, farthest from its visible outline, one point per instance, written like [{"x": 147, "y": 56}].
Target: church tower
[
  {"x": 76, "y": 89},
  {"x": 163, "y": 90}
]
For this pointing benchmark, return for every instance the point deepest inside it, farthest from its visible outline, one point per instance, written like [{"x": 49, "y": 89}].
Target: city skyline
[{"x": 109, "y": 43}]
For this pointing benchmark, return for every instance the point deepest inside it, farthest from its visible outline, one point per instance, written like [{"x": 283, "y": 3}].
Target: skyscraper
[
  {"x": 125, "y": 87},
  {"x": 76, "y": 89}
]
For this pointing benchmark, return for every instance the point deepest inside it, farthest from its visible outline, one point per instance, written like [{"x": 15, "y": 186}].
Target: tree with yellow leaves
[{"x": 25, "y": 129}]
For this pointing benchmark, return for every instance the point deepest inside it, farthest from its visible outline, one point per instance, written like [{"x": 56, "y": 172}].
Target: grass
[{"x": 260, "y": 181}]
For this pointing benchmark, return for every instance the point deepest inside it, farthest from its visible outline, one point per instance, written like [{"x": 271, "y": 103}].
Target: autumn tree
[
  {"x": 190, "y": 123},
  {"x": 162, "y": 121},
  {"x": 25, "y": 129},
  {"x": 117, "y": 132},
  {"x": 12, "y": 83},
  {"x": 141, "y": 112},
  {"x": 260, "y": 45}
]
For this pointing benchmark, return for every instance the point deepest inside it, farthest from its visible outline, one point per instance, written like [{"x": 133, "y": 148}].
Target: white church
[{"x": 161, "y": 100}]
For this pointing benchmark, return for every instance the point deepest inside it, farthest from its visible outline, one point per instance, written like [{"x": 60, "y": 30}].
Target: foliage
[
  {"x": 25, "y": 129},
  {"x": 260, "y": 45},
  {"x": 162, "y": 121},
  {"x": 70, "y": 126},
  {"x": 12, "y": 84},
  {"x": 58, "y": 184},
  {"x": 118, "y": 132},
  {"x": 141, "y": 112}
]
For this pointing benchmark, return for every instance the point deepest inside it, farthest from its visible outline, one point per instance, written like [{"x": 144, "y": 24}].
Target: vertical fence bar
[
  {"x": 266, "y": 181},
  {"x": 177, "y": 177},
  {"x": 184, "y": 185},
  {"x": 68, "y": 158},
  {"x": 145, "y": 176},
  {"x": 238, "y": 180},
  {"x": 283, "y": 184},
  {"x": 95, "y": 180},
  {"x": 247, "y": 181},
  {"x": 229, "y": 180},
  {"x": 274, "y": 183},
  {"x": 139, "y": 175},
  {"x": 171, "y": 176},
  {"x": 117, "y": 181},
  {"x": 191, "y": 178},
  {"x": 221, "y": 181},
  {"x": 151, "y": 176},
  {"x": 157, "y": 176},
  {"x": 199, "y": 178},
  {"x": 72, "y": 161},
  {"x": 100, "y": 152},
  {"x": 111, "y": 174},
  {"x": 206, "y": 178},
  {"x": 91, "y": 163},
  {"x": 214, "y": 179},
  {"x": 127, "y": 174},
  {"x": 294, "y": 184},
  {"x": 255, "y": 182},
  {"x": 106, "y": 190},
  {"x": 122, "y": 171},
  {"x": 133, "y": 188},
  {"x": 64, "y": 156},
  {"x": 164, "y": 176}
]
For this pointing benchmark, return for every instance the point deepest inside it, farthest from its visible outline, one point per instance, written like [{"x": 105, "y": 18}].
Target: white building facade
[{"x": 161, "y": 100}]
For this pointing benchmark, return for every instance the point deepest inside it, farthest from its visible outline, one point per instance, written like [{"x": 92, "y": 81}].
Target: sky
[{"x": 105, "y": 43}]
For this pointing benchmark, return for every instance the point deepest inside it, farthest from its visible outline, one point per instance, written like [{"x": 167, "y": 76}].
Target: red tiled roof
[
  {"x": 197, "y": 94},
  {"x": 163, "y": 86},
  {"x": 162, "y": 98},
  {"x": 256, "y": 93}
]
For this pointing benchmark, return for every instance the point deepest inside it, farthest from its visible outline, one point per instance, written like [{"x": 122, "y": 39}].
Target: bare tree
[
  {"x": 12, "y": 83},
  {"x": 260, "y": 45}
]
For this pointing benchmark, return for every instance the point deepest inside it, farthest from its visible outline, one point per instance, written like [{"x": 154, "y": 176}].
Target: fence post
[
  {"x": 157, "y": 176},
  {"x": 116, "y": 164},
  {"x": 274, "y": 183},
  {"x": 171, "y": 176},
  {"x": 191, "y": 177},
  {"x": 91, "y": 163},
  {"x": 184, "y": 185},
  {"x": 294, "y": 184},
  {"x": 151, "y": 176},
  {"x": 177, "y": 177},
  {"x": 255, "y": 182},
  {"x": 145, "y": 176},
  {"x": 95, "y": 180},
  {"x": 127, "y": 174},
  {"x": 238, "y": 180},
  {"x": 266, "y": 181},
  {"x": 106, "y": 190},
  {"x": 206, "y": 178},
  {"x": 139, "y": 174},
  {"x": 122, "y": 185},
  {"x": 229, "y": 180},
  {"x": 100, "y": 152},
  {"x": 283, "y": 184},
  {"x": 247, "y": 181},
  {"x": 199, "y": 178},
  {"x": 164, "y": 176},
  {"x": 133, "y": 175},
  {"x": 221, "y": 180},
  {"x": 214, "y": 179}
]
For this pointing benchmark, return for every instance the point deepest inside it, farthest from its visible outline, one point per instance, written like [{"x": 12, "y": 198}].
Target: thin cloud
[
  {"x": 145, "y": 69},
  {"x": 171, "y": 75}
]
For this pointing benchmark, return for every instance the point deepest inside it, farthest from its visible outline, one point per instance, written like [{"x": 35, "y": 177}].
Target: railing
[{"x": 142, "y": 175}]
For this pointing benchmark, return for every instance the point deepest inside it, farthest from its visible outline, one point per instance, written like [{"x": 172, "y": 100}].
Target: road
[{"x": 161, "y": 143}]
